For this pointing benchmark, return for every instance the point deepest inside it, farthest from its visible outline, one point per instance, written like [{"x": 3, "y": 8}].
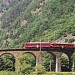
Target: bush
[
  {"x": 71, "y": 40},
  {"x": 66, "y": 40},
  {"x": 40, "y": 69},
  {"x": 73, "y": 33}
]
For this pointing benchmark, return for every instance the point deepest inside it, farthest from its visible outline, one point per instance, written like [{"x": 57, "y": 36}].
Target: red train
[
  {"x": 55, "y": 45},
  {"x": 47, "y": 45},
  {"x": 37, "y": 44}
]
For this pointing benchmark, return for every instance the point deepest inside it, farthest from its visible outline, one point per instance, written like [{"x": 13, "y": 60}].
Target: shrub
[
  {"x": 71, "y": 40},
  {"x": 40, "y": 69},
  {"x": 66, "y": 40}
]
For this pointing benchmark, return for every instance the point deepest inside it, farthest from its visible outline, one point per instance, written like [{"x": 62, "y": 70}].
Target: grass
[
  {"x": 48, "y": 73},
  {"x": 9, "y": 73},
  {"x": 58, "y": 73}
]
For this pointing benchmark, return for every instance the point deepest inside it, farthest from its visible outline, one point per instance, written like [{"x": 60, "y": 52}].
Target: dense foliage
[
  {"x": 7, "y": 62},
  {"x": 5, "y": 5},
  {"x": 49, "y": 20},
  {"x": 48, "y": 61},
  {"x": 27, "y": 63},
  {"x": 40, "y": 70}
]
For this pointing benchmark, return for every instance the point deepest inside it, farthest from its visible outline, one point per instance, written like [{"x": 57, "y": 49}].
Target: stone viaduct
[{"x": 57, "y": 52}]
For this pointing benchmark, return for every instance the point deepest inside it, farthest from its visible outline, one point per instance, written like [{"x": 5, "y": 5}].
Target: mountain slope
[{"x": 48, "y": 19}]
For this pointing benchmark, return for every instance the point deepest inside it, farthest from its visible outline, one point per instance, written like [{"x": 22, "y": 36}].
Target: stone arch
[
  {"x": 7, "y": 53},
  {"x": 64, "y": 62},
  {"x": 73, "y": 62},
  {"x": 54, "y": 58},
  {"x": 69, "y": 54},
  {"x": 50, "y": 61},
  {"x": 11, "y": 68},
  {"x": 52, "y": 53},
  {"x": 31, "y": 55},
  {"x": 37, "y": 54}
]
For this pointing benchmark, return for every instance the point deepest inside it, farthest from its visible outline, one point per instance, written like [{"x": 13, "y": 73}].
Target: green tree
[
  {"x": 73, "y": 62},
  {"x": 26, "y": 63},
  {"x": 47, "y": 58},
  {"x": 1, "y": 63},
  {"x": 8, "y": 62},
  {"x": 25, "y": 68},
  {"x": 65, "y": 63}
]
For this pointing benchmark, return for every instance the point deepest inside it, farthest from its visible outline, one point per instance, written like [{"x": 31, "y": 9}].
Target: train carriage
[
  {"x": 47, "y": 45},
  {"x": 37, "y": 45}
]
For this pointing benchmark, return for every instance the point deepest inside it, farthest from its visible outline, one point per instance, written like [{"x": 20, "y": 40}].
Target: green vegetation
[
  {"x": 6, "y": 5},
  {"x": 48, "y": 59},
  {"x": 28, "y": 67},
  {"x": 48, "y": 20},
  {"x": 14, "y": 73},
  {"x": 30, "y": 20},
  {"x": 70, "y": 40},
  {"x": 40, "y": 70},
  {"x": 7, "y": 62},
  {"x": 27, "y": 63},
  {"x": 9, "y": 73}
]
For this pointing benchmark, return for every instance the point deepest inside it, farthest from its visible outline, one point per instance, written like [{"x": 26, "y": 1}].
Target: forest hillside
[{"x": 29, "y": 20}]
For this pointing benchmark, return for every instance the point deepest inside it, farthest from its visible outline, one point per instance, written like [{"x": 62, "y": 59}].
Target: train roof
[
  {"x": 51, "y": 43},
  {"x": 38, "y": 42}
]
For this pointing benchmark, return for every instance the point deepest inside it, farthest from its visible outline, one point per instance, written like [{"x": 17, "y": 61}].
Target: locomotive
[{"x": 47, "y": 45}]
